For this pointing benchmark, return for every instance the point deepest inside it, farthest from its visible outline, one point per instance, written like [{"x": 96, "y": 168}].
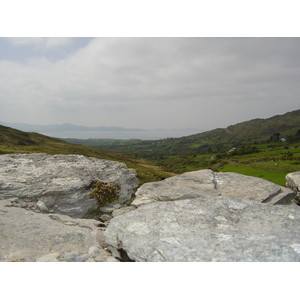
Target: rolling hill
[
  {"x": 250, "y": 132},
  {"x": 217, "y": 140}
]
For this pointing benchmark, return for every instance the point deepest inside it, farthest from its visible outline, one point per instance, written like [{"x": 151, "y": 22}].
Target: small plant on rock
[{"x": 105, "y": 193}]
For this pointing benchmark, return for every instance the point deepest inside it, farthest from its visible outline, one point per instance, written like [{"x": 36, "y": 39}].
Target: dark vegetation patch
[{"x": 105, "y": 193}]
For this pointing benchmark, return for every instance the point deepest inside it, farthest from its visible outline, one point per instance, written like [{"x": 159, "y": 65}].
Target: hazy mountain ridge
[{"x": 64, "y": 127}]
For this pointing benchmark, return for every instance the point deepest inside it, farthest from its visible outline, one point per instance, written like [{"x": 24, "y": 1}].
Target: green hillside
[
  {"x": 245, "y": 133},
  {"x": 214, "y": 141},
  {"x": 16, "y": 141}
]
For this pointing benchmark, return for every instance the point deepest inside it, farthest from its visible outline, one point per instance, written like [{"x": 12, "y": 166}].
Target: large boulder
[
  {"x": 293, "y": 182},
  {"x": 205, "y": 229},
  {"x": 62, "y": 183},
  {"x": 29, "y": 236},
  {"x": 208, "y": 183}
]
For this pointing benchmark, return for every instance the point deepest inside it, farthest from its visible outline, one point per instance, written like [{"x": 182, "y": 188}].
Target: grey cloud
[
  {"x": 159, "y": 82},
  {"x": 41, "y": 42}
]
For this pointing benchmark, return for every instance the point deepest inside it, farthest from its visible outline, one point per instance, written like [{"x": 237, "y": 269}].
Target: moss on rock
[{"x": 105, "y": 193}]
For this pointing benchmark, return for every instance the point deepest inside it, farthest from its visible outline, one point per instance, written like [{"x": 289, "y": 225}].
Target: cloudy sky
[{"x": 148, "y": 82}]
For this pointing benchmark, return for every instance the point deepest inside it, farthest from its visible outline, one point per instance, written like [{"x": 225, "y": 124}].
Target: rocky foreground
[{"x": 46, "y": 214}]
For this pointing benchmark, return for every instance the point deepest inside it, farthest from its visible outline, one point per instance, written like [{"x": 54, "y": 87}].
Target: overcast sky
[{"x": 148, "y": 82}]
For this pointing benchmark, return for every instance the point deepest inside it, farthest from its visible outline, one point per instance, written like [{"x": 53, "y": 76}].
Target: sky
[
  {"x": 148, "y": 82},
  {"x": 150, "y": 78}
]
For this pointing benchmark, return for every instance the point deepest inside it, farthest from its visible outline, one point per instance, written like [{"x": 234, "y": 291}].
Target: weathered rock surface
[
  {"x": 122, "y": 210},
  {"x": 293, "y": 182},
  {"x": 208, "y": 183},
  {"x": 29, "y": 236},
  {"x": 206, "y": 228},
  {"x": 57, "y": 183}
]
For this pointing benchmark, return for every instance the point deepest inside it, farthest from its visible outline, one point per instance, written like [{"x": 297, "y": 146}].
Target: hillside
[
  {"x": 16, "y": 141},
  {"x": 249, "y": 132},
  {"x": 217, "y": 140}
]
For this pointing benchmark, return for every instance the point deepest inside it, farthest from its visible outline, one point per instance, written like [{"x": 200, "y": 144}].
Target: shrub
[{"x": 104, "y": 192}]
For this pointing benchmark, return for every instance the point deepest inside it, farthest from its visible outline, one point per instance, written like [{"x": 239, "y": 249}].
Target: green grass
[
  {"x": 276, "y": 176},
  {"x": 271, "y": 163}
]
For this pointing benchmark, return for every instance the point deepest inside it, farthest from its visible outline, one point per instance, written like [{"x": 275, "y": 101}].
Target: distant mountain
[{"x": 63, "y": 127}]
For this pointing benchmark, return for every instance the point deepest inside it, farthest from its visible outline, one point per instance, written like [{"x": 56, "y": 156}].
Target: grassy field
[
  {"x": 276, "y": 176},
  {"x": 273, "y": 162}
]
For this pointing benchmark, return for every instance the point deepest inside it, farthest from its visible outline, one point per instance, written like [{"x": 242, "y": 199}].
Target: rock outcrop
[
  {"x": 208, "y": 216},
  {"x": 29, "y": 236},
  {"x": 208, "y": 183},
  {"x": 61, "y": 183},
  {"x": 293, "y": 182},
  {"x": 196, "y": 216},
  {"x": 205, "y": 229}
]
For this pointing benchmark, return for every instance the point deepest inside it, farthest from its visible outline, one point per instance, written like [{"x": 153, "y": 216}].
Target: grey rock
[
  {"x": 82, "y": 258},
  {"x": 51, "y": 257},
  {"x": 69, "y": 255},
  {"x": 293, "y": 182},
  {"x": 206, "y": 182},
  {"x": 101, "y": 239},
  {"x": 116, "y": 206},
  {"x": 23, "y": 204},
  {"x": 102, "y": 256},
  {"x": 207, "y": 229},
  {"x": 94, "y": 251},
  {"x": 105, "y": 217},
  {"x": 29, "y": 236},
  {"x": 90, "y": 260},
  {"x": 122, "y": 210},
  {"x": 42, "y": 207},
  {"x": 12, "y": 200},
  {"x": 111, "y": 259},
  {"x": 61, "y": 181},
  {"x": 107, "y": 209}
]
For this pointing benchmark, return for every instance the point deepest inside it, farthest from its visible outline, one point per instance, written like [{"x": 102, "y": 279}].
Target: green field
[
  {"x": 273, "y": 175},
  {"x": 273, "y": 162}
]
